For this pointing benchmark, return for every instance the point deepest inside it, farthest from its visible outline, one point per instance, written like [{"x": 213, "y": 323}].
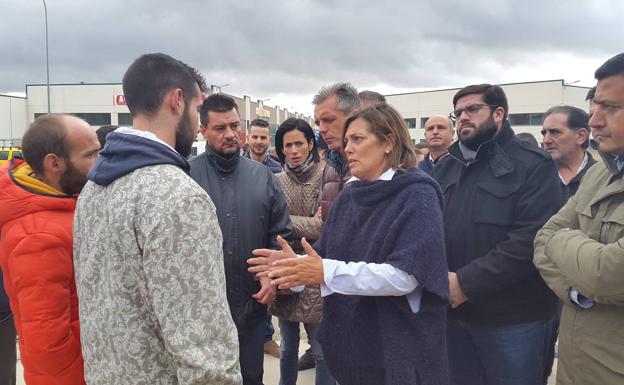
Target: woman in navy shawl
[{"x": 380, "y": 262}]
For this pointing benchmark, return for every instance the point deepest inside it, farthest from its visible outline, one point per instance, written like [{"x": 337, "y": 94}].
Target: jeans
[
  {"x": 269, "y": 330},
  {"x": 498, "y": 355},
  {"x": 550, "y": 353},
  {"x": 7, "y": 352},
  {"x": 290, "y": 354},
  {"x": 251, "y": 345}
]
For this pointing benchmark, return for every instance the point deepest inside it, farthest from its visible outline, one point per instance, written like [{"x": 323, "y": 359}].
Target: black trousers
[
  {"x": 7, "y": 352},
  {"x": 251, "y": 345}
]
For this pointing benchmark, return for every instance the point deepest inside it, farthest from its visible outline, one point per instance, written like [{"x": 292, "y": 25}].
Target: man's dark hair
[
  {"x": 371, "y": 96},
  {"x": 103, "y": 132},
  {"x": 577, "y": 118},
  {"x": 493, "y": 95},
  {"x": 613, "y": 66},
  {"x": 590, "y": 94},
  {"x": 216, "y": 103},
  {"x": 151, "y": 76},
  {"x": 291, "y": 125},
  {"x": 528, "y": 138},
  {"x": 46, "y": 135},
  {"x": 258, "y": 122}
]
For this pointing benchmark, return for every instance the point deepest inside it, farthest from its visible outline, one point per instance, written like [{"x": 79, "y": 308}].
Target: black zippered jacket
[
  {"x": 252, "y": 212},
  {"x": 494, "y": 207}
]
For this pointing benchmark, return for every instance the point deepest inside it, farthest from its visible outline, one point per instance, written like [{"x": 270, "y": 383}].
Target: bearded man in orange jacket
[{"x": 37, "y": 202}]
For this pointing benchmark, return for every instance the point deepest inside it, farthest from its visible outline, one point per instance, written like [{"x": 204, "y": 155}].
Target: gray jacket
[{"x": 252, "y": 212}]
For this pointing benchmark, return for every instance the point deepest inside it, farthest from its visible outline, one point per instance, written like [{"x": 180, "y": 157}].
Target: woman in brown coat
[{"x": 301, "y": 181}]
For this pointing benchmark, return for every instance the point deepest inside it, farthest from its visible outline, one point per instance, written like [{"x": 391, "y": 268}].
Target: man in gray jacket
[
  {"x": 252, "y": 212},
  {"x": 147, "y": 245}
]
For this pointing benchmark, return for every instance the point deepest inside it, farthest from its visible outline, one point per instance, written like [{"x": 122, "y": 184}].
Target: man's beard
[
  {"x": 261, "y": 153},
  {"x": 72, "y": 181},
  {"x": 480, "y": 135},
  {"x": 185, "y": 134}
]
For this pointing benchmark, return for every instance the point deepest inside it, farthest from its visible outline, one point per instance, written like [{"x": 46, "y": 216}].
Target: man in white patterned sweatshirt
[{"x": 147, "y": 245}]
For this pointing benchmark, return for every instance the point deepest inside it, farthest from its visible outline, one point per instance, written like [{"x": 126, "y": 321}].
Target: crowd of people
[{"x": 466, "y": 261}]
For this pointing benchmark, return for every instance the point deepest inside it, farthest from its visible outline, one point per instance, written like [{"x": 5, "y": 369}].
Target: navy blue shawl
[{"x": 379, "y": 340}]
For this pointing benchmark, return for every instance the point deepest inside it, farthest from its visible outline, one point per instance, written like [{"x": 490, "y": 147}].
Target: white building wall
[
  {"x": 13, "y": 119},
  {"x": 532, "y": 97},
  {"x": 102, "y": 99},
  {"x": 75, "y": 98},
  {"x": 575, "y": 96}
]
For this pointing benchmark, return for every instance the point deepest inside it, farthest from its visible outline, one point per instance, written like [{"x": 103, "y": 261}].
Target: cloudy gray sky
[{"x": 286, "y": 49}]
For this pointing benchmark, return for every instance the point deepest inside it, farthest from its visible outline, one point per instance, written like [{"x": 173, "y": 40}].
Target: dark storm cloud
[{"x": 293, "y": 47}]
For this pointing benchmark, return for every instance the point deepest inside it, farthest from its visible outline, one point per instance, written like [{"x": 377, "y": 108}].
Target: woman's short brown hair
[{"x": 387, "y": 124}]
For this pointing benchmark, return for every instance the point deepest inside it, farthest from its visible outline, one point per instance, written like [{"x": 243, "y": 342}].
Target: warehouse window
[
  {"x": 529, "y": 119},
  {"x": 537, "y": 119},
  {"x": 124, "y": 119},
  {"x": 94, "y": 118},
  {"x": 410, "y": 122},
  {"x": 423, "y": 121}
]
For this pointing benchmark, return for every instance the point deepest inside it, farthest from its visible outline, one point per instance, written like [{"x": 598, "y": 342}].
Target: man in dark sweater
[
  {"x": 566, "y": 137},
  {"x": 259, "y": 140},
  {"x": 499, "y": 191},
  {"x": 439, "y": 135}
]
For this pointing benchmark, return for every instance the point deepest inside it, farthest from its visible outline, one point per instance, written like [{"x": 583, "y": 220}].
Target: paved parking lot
[{"x": 271, "y": 367}]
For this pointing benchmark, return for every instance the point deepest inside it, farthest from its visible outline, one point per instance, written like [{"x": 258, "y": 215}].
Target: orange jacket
[{"x": 36, "y": 257}]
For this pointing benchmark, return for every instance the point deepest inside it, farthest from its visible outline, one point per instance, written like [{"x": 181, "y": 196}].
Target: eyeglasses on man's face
[{"x": 470, "y": 110}]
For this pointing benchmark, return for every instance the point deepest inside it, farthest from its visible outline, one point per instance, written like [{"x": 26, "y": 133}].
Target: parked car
[{"x": 6, "y": 153}]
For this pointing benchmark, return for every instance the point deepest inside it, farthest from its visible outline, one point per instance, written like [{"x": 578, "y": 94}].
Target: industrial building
[
  {"x": 527, "y": 103},
  {"x": 103, "y": 104}
]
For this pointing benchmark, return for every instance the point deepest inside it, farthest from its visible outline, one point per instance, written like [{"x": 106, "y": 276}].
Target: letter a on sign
[{"x": 120, "y": 100}]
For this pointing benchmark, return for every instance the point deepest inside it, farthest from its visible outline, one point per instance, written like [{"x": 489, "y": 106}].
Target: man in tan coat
[{"x": 580, "y": 251}]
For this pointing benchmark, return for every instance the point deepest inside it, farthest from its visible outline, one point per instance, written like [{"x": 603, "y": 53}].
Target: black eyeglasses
[{"x": 470, "y": 110}]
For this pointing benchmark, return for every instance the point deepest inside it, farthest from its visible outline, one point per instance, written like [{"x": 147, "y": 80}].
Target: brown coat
[
  {"x": 332, "y": 183},
  {"x": 302, "y": 192}
]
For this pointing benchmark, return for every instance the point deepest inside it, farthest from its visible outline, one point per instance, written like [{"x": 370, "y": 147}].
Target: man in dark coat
[
  {"x": 499, "y": 191},
  {"x": 259, "y": 140},
  {"x": 252, "y": 212},
  {"x": 439, "y": 135}
]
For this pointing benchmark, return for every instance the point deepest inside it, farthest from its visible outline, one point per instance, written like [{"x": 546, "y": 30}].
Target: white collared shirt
[
  {"x": 369, "y": 279},
  {"x": 581, "y": 167},
  {"x": 387, "y": 175},
  {"x": 142, "y": 134}
]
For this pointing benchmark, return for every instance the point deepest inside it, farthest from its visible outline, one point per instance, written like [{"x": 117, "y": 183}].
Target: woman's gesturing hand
[
  {"x": 307, "y": 270},
  {"x": 265, "y": 257}
]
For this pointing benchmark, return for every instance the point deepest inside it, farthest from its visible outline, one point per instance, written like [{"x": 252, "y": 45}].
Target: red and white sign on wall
[{"x": 119, "y": 100}]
